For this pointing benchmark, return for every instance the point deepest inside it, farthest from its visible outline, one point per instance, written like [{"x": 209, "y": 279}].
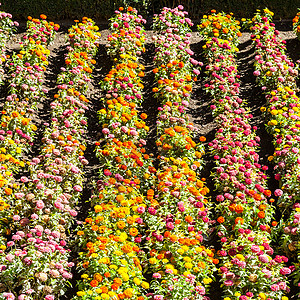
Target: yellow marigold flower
[
  {"x": 145, "y": 285},
  {"x": 137, "y": 281},
  {"x": 80, "y": 293},
  {"x": 273, "y": 122},
  {"x": 187, "y": 259},
  {"x": 124, "y": 276},
  {"x": 188, "y": 265},
  {"x": 262, "y": 296},
  {"x": 240, "y": 257},
  {"x": 98, "y": 208},
  {"x": 207, "y": 280},
  {"x": 152, "y": 260},
  {"x": 180, "y": 251}
]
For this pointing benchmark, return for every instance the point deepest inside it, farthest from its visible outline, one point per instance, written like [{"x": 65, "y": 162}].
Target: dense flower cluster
[
  {"x": 178, "y": 210},
  {"x": 276, "y": 74},
  {"x": 222, "y": 26},
  {"x": 7, "y": 27},
  {"x": 243, "y": 213},
  {"x": 110, "y": 237},
  {"x": 296, "y": 24},
  {"x": 26, "y": 72},
  {"x": 127, "y": 33},
  {"x": 34, "y": 263}
]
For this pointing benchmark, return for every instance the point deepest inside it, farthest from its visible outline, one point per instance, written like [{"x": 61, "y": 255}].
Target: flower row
[
  {"x": 296, "y": 24},
  {"x": 178, "y": 218},
  {"x": 276, "y": 74},
  {"x": 7, "y": 27},
  {"x": 247, "y": 269},
  {"x": 26, "y": 73},
  {"x": 111, "y": 259},
  {"x": 35, "y": 262}
]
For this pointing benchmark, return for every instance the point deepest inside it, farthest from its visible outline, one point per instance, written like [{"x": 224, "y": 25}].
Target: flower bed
[
  {"x": 276, "y": 75},
  {"x": 35, "y": 262},
  {"x": 296, "y": 25},
  {"x": 7, "y": 27},
  {"x": 178, "y": 220},
  {"x": 243, "y": 212},
  {"x": 26, "y": 71},
  {"x": 110, "y": 261}
]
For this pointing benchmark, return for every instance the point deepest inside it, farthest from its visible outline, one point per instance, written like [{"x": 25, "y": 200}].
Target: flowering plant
[
  {"x": 296, "y": 24},
  {"x": 282, "y": 111},
  {"x": 180, "y": 264},
  {"x": 35, "y": 260},
  {"x": 110, "y": 261}
]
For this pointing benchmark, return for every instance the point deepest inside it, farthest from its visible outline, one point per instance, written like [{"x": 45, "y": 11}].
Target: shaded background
[{"x": 101, "y": 10}]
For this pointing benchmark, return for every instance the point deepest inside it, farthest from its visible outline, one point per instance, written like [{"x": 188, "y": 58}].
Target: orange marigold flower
[
  {"x": 114, "y": 287},
  {"x": 127, "y": 248},
  {"x": 94, "y": 283},
  {"x": 98, "y": 277},
  {"x": 267, "y": 193},
  {"x": 173, "y": 238},
  {"x": 133, "y": 232},
  {"x": 144, "y": 116},
  {"x": 8, "y": 191},
  {"x": 189, "y": 219},
  {"x": 239, "y": 209},
  {"x": 261, "y": 214},
  {"x": 221, "y": 220},
  {"x": 239, "y": 220}
]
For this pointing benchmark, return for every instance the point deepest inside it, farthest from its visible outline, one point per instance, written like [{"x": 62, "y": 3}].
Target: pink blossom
[{"x": 40, "y": 204}]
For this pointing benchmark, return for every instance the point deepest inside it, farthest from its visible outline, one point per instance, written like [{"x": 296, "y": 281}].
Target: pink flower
[
  {"x": 73, "y": 213},
  {"x": 16, "y": 217},
  {"x": 141, "y": 209},
  {"x": 228, "y": 282},
  {"x": 285, "y": 271},
  {"x": 40, "y": 204},
  {"x": 77, "y": 188},
  {"x": 278, "y": 192},
  {"x": 263, "y": 258},
  {"x": 156, "y": 275},
  {"x": 10, "y": 256},
  {"x": 105, "y": 131}
]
